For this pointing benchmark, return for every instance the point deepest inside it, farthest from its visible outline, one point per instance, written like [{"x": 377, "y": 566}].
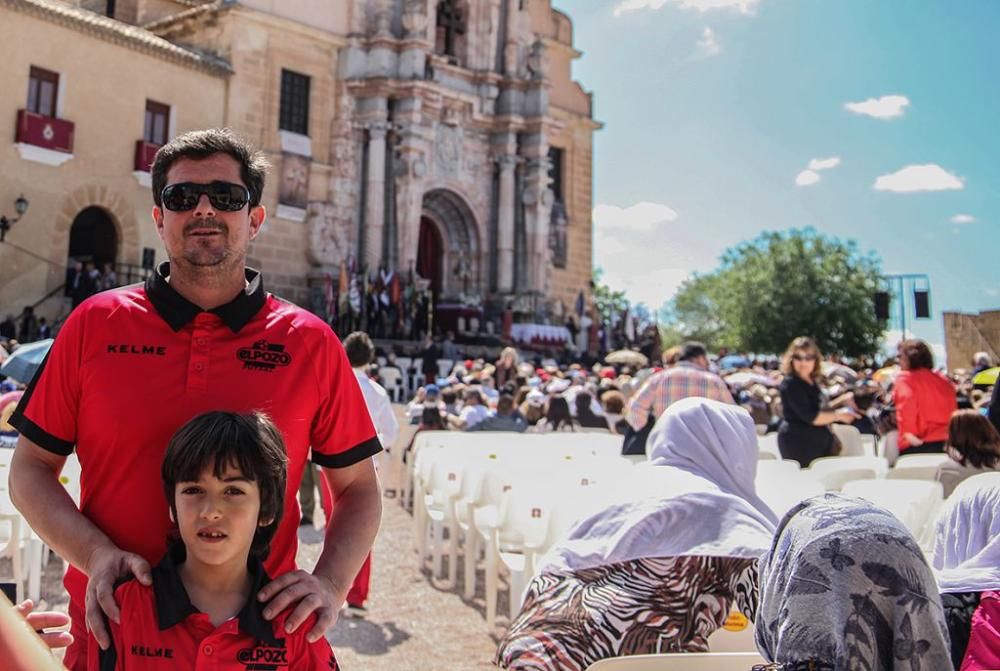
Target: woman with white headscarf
[
  {"x": 845, "y": 587},
  {"x": 967, "y": 564},
  {"x": 659, "y": 569}
]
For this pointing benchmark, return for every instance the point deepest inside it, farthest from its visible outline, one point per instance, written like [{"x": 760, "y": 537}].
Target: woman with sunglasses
[{"x": 804, "y": 434}]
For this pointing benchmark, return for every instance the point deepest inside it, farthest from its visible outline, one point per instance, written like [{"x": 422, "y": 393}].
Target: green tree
[
  {"x": 611, "y": 303},
  {"x": 781, "y": 285}
]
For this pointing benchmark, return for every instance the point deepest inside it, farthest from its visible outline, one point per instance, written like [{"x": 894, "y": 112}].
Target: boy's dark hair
[
  {"x": 448, "y": 396},
  {"x": 359, "y": 348},
  {"x": 250, "y": 442},
  {"x": 199, "y": 145}
]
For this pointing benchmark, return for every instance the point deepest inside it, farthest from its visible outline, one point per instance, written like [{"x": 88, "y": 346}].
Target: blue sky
[{"x": 715, "y": 109}]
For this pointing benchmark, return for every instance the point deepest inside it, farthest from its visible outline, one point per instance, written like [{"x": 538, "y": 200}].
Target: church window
[
  {"x": 43, "y": 88},
  {"x": 157, "y": 123},
  {"x": 556, "y": 159},
  {"x": 294, "y": 114},
  {"x": 450, "y": 25}
]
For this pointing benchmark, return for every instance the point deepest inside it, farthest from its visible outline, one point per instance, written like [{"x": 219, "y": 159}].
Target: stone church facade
[{"x": 443, "y": 139}]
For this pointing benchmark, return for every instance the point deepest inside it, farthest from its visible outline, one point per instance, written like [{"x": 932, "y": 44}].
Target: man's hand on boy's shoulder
[
  {"x": 310, "y": 594},
  {"x": 104, "y": 567}
]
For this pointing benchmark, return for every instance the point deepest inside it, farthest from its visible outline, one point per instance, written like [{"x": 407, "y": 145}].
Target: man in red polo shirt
[{"x": 132, "y": 365}]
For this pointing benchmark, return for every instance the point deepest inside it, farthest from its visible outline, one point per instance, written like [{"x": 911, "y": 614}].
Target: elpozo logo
[
  {"x": 263, "y": 356},
  {"x": 263, "y": 658}
]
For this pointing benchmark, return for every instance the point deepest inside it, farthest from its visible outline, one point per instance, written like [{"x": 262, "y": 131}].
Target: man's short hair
[
  {"x": 200, "y": 144},
  {"x": 692, "y": 350},
  {"x": 359, "y": 348},
  {"x": 216, "y": 440}
]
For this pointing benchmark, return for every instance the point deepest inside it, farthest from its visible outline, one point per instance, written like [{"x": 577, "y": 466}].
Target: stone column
[
  {"x": 510, "y": 47},
  {"x": 375, "y": 193},
  {"x": 537, "y": 199},
  {"x": 505, "y": 224}
]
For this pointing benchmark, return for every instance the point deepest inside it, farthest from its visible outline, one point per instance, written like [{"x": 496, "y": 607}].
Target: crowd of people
[{"x": 211, "y": 449}]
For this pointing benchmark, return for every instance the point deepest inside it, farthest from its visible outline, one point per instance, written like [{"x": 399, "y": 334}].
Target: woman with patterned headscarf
[
  {"x": 967, "y": 564},
  {"x": 845, "y": 587},
  {"x": 659, "y": 569}
]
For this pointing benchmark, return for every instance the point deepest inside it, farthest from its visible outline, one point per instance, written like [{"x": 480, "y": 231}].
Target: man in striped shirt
[{"x": 689, "y": 377}]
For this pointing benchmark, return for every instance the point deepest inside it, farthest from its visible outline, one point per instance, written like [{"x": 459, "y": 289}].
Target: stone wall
[{"x": 965, "y": 334}]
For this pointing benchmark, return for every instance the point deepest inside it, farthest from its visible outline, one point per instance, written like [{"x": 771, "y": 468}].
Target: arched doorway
[
  {"x": 430, "y": 253},
  {"x": 449, "y": 220},
  {"x": 93, "y": 238}
]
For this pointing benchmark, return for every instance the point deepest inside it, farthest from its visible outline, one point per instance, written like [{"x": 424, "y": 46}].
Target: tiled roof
[
  {"x": 120, "y": 33},
  {"x": 197, "y": 8}
]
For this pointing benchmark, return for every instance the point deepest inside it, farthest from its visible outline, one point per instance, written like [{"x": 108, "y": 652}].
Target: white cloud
[
  {"x": 916, "y": 178},
  {"x": 743, "y": 6},
  {"x": 886, "y": 107},
  {"x": 824, "y": 163},
  {"x": 963, "y": 219},
  {"x": 708, "y": 46},
  {"x": 807, "y": 178},
  {"x": 647, "y": 250},
  {"x": 811, "y": 176}
]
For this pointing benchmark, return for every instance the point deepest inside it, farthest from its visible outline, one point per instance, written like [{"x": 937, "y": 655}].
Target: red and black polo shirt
[
  {"x": 132, "y": 365},
  {"x": 162, "y": 630}
]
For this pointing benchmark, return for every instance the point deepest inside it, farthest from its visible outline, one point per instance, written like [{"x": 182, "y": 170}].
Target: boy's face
[{"x": 218, "y": 517}]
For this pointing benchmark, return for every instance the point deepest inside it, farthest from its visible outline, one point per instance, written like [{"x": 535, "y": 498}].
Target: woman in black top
[{"x": 804, "y": 433}]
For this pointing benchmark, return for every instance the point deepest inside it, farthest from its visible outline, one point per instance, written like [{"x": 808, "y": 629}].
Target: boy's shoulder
[{"x": 130, "y": 590}]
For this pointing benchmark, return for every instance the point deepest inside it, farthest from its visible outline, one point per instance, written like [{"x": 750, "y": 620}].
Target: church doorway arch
[
  {"x": 93, "y": 237},
  {"x": 430, "y": 253},
  {"x": 457, "y": 264}
]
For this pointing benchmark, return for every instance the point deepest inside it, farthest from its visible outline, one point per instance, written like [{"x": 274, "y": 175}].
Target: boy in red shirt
[{"x": 224, "y": 475}]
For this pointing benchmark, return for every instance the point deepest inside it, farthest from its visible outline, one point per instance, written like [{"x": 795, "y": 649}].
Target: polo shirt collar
[
  {"x": 178, "y": 311},
  {"x": 173, "y": 605}
]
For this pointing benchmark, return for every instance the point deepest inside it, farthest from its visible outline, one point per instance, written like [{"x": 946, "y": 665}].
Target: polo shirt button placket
[{"x": 200, "y": 343}]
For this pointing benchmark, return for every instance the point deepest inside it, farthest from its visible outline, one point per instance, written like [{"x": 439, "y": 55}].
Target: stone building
[
  {"x": 444, "y": 138},
  {"x": 965, "y": 334}
]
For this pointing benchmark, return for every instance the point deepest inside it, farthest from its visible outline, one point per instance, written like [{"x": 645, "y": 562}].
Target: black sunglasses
[{"x": 224, "y": 196}]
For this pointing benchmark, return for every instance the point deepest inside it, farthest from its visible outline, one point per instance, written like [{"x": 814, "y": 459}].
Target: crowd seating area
[
  {"x": 501, "y": 500},
  {"x": 18, "y": 541}
]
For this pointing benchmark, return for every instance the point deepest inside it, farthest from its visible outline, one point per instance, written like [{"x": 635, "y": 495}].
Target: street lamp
[{"x": 20, "y": 206}]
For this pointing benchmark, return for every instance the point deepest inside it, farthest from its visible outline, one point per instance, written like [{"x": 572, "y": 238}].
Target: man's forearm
[
  {"x": 357, "y": 513},
  {"x": 46, "y": 505}
]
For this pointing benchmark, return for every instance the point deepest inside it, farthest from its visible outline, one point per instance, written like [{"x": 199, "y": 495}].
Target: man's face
[{"x": 205, "y": 238}]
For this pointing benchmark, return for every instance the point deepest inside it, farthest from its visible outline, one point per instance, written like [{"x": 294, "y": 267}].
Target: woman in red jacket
[{"x": 924, "y": 400}]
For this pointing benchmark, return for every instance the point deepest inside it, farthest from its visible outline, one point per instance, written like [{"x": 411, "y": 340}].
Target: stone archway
[
  {"x": 119, "y": 211},
  {"x": 461, "y": 259},
  {"x": 93, "y": 237}
]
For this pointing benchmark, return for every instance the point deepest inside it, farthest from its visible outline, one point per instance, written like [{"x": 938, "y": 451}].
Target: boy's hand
[
  {"x": 104, "y": 566},
  {"x": 309, "y": 594},
  {"x": 46, "y": 620}
]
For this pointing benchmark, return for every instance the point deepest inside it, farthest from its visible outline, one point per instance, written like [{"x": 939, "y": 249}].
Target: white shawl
[{"x": 967, "y": 547}]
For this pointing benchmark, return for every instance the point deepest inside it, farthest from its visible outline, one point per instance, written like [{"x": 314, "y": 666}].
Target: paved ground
[{"x": 413, "y": 622}]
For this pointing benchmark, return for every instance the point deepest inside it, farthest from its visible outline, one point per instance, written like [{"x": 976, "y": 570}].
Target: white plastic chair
[
  {"x": 726, "y": 640},
  {"x": 392, "y": 380},
  {"x": 682, "y": 661},
  {"x": 782, "y": 496},
  {"x": 850, "y": 441},
  {"x": 917, "y": 466},
  {"x": 914, "y": 502},
  {"x": 769, "y": 443},
  {"x": 444, "y": 367},
  {"x": 835, "y": 472}
]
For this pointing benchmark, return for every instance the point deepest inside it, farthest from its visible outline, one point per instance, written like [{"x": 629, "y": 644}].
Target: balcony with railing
[{"x": 44, "y": 138}]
